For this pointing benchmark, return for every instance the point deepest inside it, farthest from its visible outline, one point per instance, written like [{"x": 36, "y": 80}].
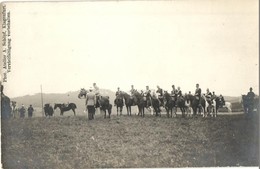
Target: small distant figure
[
  {"x": 209, "y": 97},
  {"x": 222, "y": 100},
  {"x": 251, "y": 97},
  {"x": 22, "y": 111},
  {"x": 30, "y": 111},
  {"x": 91, "y": 103}
]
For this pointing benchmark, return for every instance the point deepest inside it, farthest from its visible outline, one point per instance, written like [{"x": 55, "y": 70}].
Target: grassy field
[{"x": 123, "y": 141}]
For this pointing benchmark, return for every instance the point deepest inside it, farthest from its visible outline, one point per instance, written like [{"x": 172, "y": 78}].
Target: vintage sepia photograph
[{"x": 129, "y": 84}]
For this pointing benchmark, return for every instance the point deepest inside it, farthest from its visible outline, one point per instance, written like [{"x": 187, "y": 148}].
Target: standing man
[
  {"x": 22, "y": 112},
  {"x": 91, "y": 103},
  {"x": 251, "y": 97},
  {"x": 30, "y": 111}
]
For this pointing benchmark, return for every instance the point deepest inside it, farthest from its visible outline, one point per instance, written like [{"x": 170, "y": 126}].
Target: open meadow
[{"x": 124, "y": 141}]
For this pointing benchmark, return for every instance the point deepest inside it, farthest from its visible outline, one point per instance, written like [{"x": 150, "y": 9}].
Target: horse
[
  {"x": 48, "y": 110},
  {"x": 169, "y": 103},
  {"x": 246, "y": 104},
  {"x": 210, "y": 108},
  {"x": 119, "y": 103},
  {"x": 82, "y": 93},
  {"x": 197, "y": 104},
  {"x": 180, "y": 102},
  {"x": 139, "y": 101},
  {"x": 219, "y": 104},
  {"x": 105, "y": 105},
  {"x": 63, "y": 107},
  {"x": 129, "y": 101},
  {"x": 156, "y": 105}
]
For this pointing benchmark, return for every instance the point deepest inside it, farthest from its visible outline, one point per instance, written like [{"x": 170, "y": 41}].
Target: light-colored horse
[
  {"x": 188, "y": 108},
  {"x": 228, "y": 105},
  {"x": 209, "y": 109}
]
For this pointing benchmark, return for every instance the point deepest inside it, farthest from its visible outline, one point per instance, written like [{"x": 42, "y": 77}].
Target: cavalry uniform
[
  {"x": 118, "y": 96},
  {"x": 97, "y": 93},
  {"x": 209, "y": 97},
  {"x": 198, "y": 95},
  {"x": 147, "y": 98},
  {"x": 90, "y": 104},
  {"x": 160, "y": 96},
  {"x": 222, "y": 101}
]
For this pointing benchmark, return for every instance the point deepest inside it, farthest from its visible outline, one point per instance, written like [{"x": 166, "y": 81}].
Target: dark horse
[
  {"x": 169, "y": 103},
  {"x": 180, "y": 102},
  {"x": 48, "y": 110},
  {"x": 197, "y": 104},
  {"x": 105, "y": 105},
  {"x": 129, "y": 101},
  {"x": 156, "y": 105},
  {"x": 249, "y": 105},
  {"x": 119, "y": 103},
  {"x": 63, "y": 107},
  {"x": 139, "y": 101}
]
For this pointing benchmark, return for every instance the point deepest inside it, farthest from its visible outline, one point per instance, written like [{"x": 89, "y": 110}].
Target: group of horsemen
[{"x": 175, "y": 94}]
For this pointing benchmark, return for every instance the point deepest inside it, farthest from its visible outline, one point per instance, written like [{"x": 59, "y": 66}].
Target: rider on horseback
[
  {"x": 147, "y": 97},
  {"x": 97, "y": 93},
  {"x": 160, "y": 94},
  {"x": 209, "y": 97},
  {"x": 198, "y": 93},
  {"x": 118, "y": 95},
  {"x": 222, "y": 101},
  {"x": 173, "y": 91}
]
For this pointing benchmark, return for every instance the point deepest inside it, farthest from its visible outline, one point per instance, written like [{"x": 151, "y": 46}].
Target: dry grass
[{"x": 75, "y": 142}]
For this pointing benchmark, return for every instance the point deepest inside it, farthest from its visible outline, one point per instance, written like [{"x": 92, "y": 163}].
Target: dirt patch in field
[{"x": 123, "y": 141}]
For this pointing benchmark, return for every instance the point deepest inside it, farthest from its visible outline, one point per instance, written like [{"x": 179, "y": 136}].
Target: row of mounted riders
[{"x": 186, "y": 104}]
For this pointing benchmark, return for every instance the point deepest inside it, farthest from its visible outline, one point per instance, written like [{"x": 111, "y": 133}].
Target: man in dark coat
[
  {"x": 198, "y": 93},
  {"x": 22, "y": 112},
  {"x": 251, "y": 97},
  {"x": 30, "y": 111}
]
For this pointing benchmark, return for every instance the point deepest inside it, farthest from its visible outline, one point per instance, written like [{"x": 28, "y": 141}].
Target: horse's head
[{"x": 55, "y": 106}]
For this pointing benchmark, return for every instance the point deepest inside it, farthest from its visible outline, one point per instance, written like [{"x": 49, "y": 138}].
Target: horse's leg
[
  {"x": 74, "y": 112},
  {"x": 121, "y": 109},
  {"x": 116, "y": 110},
  {"x": 105, "y": 116}
]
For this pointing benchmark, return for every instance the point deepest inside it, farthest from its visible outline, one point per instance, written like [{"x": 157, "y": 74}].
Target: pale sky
[{"x": 67, "y": 46}]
